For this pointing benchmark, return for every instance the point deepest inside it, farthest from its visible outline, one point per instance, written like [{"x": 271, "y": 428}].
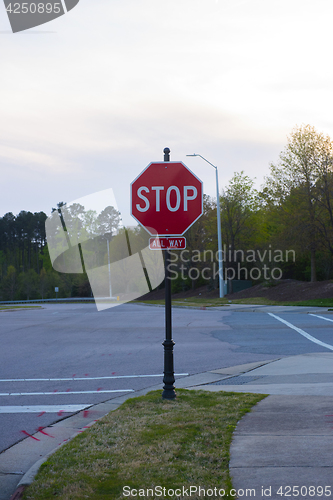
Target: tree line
[
  {"x": 285, "y": 229},
  {"x": 26, "y": 271},
  {"x": 282, "y": 230}
]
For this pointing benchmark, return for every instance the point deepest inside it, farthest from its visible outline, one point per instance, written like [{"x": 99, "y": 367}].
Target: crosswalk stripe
[
  {"x": 55, "y": 393},
  {"x": 71, "y": 379},
  {"x": 43, "y": 408}
]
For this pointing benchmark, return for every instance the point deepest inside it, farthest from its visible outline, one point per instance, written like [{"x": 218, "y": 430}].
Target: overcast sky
[{"x": 89, "y": 99}]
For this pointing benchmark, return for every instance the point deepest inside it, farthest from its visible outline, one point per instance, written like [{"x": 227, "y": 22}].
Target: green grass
[
  {"x": 5, "y": 307},
  {"x": 193, "y": 301},
  {"x": 316, "y": 303},
  {"x": 264, "y": 301},
  {"x": 148, "y": 442},
  {"x": 198, "y": 302}
]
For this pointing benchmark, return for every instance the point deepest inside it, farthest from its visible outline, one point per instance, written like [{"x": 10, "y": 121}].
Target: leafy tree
[
  {"x": 239, "y": 214},
  {"x": 200, "y": 237},
  {"x": 108, "y": 222},
  {"x": 10, "y": 284},
  {"x": 8, "y": 231},
  {"x": 302, "y": 179},
  {"x": 2, "y": 262},
  {"x": 25, "y": 228},
  {"x": 43, "y": 282},
  {"x": 29, "y": 283}
]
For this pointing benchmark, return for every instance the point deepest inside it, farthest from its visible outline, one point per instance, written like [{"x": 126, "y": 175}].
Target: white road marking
[
  {"x": 44, "y": 408},
  {"x": 302, "y": 332},
  {"x": 84, "y": 378},
  {"x": 55, "y": 393},
  {"x": 321, "y": 317}
]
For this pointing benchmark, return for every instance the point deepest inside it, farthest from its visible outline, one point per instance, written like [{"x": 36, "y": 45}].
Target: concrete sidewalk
[
  {"x": 286, "y": 441},
  {"x": 284, "y": 447}
]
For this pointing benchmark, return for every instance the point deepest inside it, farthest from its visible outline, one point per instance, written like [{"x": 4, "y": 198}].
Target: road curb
[{"x": 18, "y": 493}]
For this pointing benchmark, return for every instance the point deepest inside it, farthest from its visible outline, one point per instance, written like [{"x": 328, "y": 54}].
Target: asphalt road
[{"x": 70, "y": 354}]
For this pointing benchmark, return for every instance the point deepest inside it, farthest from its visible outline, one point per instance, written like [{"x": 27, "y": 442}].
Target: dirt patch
[
  {"x": 282, "y": 290},
  {"x": 289, "y": 290}
]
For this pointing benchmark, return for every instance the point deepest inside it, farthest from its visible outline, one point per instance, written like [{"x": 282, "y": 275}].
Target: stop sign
[{"x": 166, "y": 198}]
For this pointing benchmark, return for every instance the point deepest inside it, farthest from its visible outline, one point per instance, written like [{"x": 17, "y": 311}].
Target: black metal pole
[{"x": 169, "y": 375}]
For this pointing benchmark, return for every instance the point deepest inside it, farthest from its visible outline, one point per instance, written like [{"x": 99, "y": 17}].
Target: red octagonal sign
[{"x": 166, "y": 198}]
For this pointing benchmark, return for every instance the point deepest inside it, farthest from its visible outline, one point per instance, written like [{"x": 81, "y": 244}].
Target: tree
[
  {"x": 303, "y": 178},
  {"x": 108, "y": 222},
  {"x": 201, "y": 236},
  {"x": 2, "y": 261},
  {"x": 43, "y": 282},
  {"x": 239, "y": 210},
  {"x": 324, "y": 192},
  {"x": 29, "y": 283},
  {"x": 39, "y": 237},
  {"x": 10, "y": 284},
  {"x": 25, "y": 226},
  {"x": 8, "y": 231}
]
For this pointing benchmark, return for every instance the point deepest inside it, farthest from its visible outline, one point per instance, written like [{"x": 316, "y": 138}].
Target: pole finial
[{"x": 166, "y": 152}]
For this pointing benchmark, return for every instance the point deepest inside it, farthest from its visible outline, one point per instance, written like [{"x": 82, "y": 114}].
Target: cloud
[
  {"x": 35, "y": 161},
  {"x": 89, "y": 106}
]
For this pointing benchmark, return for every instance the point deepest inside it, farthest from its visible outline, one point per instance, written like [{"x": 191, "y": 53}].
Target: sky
[{"x": 91, "y": 98}]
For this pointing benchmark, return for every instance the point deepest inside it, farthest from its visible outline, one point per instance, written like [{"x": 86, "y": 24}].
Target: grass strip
[
  {"x": 197, "y": 302},
  {"x": 7, "y": 308},
  {"x": 146, "y": 443}
]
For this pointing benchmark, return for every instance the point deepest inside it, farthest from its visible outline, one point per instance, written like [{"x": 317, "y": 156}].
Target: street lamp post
[{"x": 219, "y": 235}]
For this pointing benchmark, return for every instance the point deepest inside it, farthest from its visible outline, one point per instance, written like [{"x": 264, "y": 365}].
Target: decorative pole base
[{"x": 169, "y": 377}]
